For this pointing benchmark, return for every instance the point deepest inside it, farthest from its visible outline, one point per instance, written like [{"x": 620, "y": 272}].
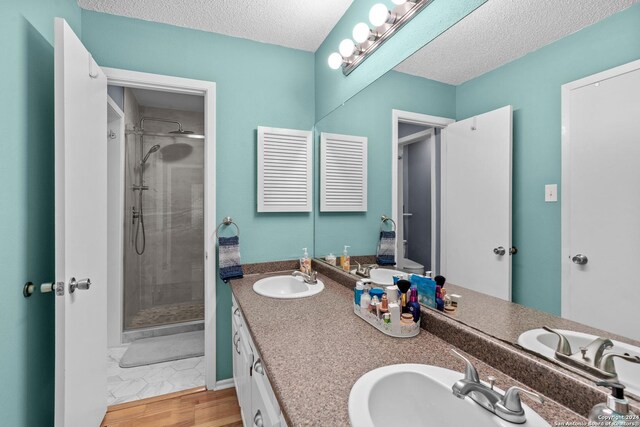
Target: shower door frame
[{"x": 140, "y": 80}]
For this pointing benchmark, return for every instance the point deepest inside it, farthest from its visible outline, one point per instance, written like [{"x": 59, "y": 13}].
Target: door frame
[
  {"x": 115, "y": 228},
  {"x": 400, "y": 116},
  {"x": 565, "y": 181},
  {"x": 140, "y": 80}
]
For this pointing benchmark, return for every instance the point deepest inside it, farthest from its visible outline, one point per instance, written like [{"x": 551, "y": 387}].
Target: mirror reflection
[{"x": 508, "y": 170}]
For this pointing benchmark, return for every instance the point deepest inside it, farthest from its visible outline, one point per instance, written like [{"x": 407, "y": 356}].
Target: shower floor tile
[
  {"x": 167, "y": 314},
  {"x": 128, "y": 384}
]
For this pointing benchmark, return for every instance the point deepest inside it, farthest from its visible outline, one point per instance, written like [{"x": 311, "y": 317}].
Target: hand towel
[
  {"x": 386, "y": 248},
  {"x": 229, "y": 258}
]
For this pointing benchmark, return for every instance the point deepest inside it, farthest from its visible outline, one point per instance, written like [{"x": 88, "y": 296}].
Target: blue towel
[
  {"x": 229, "y": 258},
  {"x": 386, "y": 248}
]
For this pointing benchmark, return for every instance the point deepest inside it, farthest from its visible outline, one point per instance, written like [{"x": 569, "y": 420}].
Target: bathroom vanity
[{"x": 296, "y": 360}]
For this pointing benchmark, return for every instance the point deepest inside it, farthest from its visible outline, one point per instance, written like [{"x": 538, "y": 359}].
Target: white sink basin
[
  {"x": 419, "y": 396},
  {"x": 384, "y": 276},
  {"x": 286, "y": 287},
  {"x": 544, "y": 343}
]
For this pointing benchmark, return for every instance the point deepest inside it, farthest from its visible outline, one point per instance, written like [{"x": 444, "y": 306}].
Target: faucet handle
[
  {"x": 492, "y": 380},
  {"x": 470, "y": 372},
  {"x": 511, "y": 400},
  {"x": 563, "y": 343}
]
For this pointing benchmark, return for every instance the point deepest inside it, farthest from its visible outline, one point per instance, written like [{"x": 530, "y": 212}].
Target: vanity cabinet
[{"x": 258, "y": 404}]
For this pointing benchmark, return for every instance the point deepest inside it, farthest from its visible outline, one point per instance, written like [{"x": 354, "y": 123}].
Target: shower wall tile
[
  {"x": 131, "y": 290},
  {"x": 171, "y": 269}
]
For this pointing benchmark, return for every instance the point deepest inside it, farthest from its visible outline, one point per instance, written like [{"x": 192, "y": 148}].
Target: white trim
[
  {"x": 565, "y": 192},
  {"x": 415, "y": 137},
  {"x": 135, "y": 79},
  {"x": 223, "y": 384},
  {"x": 115, "y": 321},
  {"x": 400, "y": 116}
]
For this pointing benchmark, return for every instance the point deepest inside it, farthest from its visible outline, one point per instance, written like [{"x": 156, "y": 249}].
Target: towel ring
[
  {"x": 227, "y": 221},
  {"x": 384, "y": 219}
]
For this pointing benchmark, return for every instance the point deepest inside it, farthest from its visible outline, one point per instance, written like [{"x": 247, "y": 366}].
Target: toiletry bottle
[
  {"x": 616, "y": 411},
  {"x": 365, "y": 300},
  {"x": 440, "y": 281},
  {"x": 305, "y": 262},
  {"x": 413, "y": 305},
  {"x": 374, "y": 304},
  {"x": 345, "y": 261},
  {"x": 331, "y": 259},
  {"x": 384, "y": 305},
  {"x": 394, "y": 311},
  {"x": 358, "y": 291}
]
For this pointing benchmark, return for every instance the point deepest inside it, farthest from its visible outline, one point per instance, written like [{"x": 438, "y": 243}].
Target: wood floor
[{"x": 195, "y": 407}]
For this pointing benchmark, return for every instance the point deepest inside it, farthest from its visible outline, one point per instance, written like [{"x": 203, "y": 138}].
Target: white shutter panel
[
  {"x": 284, "y": 170},
  {"x": 343, "y": 173}
]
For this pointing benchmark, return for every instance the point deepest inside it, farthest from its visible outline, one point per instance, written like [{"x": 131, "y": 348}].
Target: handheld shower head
[{"x": 151, "y": 150}]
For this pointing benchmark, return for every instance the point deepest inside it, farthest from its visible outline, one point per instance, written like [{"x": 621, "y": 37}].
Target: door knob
[
  {"x": 82, "y": 284},
  {"x": 580, "y": 259},
  {"x": 500, "y": 250}
]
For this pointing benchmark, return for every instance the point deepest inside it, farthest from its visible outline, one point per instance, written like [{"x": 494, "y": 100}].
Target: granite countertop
[
  {"x": 474, "y": 313},
  {"x": 314, "y": 349}
]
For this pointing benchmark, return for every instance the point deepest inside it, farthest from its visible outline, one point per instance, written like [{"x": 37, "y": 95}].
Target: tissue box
[{"x": 426, "y": 290}]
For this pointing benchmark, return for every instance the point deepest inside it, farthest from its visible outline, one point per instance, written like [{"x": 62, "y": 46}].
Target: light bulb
[
  {"x": 361, "y": 32},
  {"x": 335, "y": 60},
  {"x": 346, "y": 48},
  {"x": 378, "y": 14},
  {"x": 399, "y": 2}
]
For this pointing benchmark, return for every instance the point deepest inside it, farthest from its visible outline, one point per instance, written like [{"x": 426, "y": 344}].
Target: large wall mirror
[{"x": 464, "y": 156}]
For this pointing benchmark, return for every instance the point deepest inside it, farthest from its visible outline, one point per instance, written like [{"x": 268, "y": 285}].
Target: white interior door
[
  {"x": 81, "y": 232},
  {"x": 476, "y": 203},
  {"x": 601, "y": 202}
]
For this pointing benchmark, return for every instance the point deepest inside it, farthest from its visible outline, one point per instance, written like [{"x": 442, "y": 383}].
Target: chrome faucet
[
  {"x": 507, "y": 406},
  {"x": 366, "y": 270},
  {"x": 310, "y": 279},
  {"x": 606, "y": 362},
  {"x": 591, "y": 358}
]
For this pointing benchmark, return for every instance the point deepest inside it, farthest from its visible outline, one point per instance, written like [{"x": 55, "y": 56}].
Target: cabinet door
[
  {"x": 244, "y": 376},
  {"x": 236, "y": 355},
  {"x": 264, "y": 411}
]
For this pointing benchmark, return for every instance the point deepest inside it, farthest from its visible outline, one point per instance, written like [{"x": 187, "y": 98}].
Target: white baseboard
[{"x": 222, "y": 384}]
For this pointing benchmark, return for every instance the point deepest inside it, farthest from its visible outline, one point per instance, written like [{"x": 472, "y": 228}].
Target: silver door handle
[
  {"x": 500, "y": 250},
  {"x": 580, "y": 259},
  {"x": 82, "y": 284},
  {"x": 257, "y": 420}
]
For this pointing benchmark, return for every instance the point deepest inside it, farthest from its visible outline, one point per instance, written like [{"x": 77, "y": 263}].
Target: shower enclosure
[{"x": 164, "y": 221}]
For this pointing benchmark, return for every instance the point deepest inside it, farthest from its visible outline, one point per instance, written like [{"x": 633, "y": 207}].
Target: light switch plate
[{"x": 551, "y": 193}]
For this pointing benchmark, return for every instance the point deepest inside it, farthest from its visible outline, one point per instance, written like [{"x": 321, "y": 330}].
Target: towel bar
[{"x": 227, "y": 221}]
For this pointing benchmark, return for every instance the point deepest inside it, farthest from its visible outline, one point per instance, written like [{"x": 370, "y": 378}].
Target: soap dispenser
[
  {"x": 345, "y": 261},
  {"x": 615, "y": 412},
  {"x": 305, "y": 262}
]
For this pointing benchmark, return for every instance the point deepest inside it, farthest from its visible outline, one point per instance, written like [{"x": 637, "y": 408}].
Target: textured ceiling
[
  {"x": 291, "y": 23},
  {"x": 503, "y": 30}
]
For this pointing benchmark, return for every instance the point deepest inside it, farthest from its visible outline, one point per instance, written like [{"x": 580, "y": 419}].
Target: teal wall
[
  {"x": 369, "y": 114},
  {"x": 532, "y": 85},
  {"x": 256, "y": 84},
  {"x": 26, "y": 207},
  {"x": 334, "y": 88}
]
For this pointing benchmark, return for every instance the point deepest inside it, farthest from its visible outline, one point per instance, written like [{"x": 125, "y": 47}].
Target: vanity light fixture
[{"x": 367, "y": 40}]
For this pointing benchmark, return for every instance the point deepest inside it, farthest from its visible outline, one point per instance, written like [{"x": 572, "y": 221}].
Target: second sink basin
[
  {"x": 544, "y": 343},
  {"x": 419, "y": 396},
  {"x": 384, "y": 276},
  {"x": 286, "y": 287}
]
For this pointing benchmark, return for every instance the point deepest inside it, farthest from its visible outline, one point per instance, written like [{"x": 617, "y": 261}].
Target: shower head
[
  {"x": 151, "y": 150},
  {"x": 181, "y": 132}
]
